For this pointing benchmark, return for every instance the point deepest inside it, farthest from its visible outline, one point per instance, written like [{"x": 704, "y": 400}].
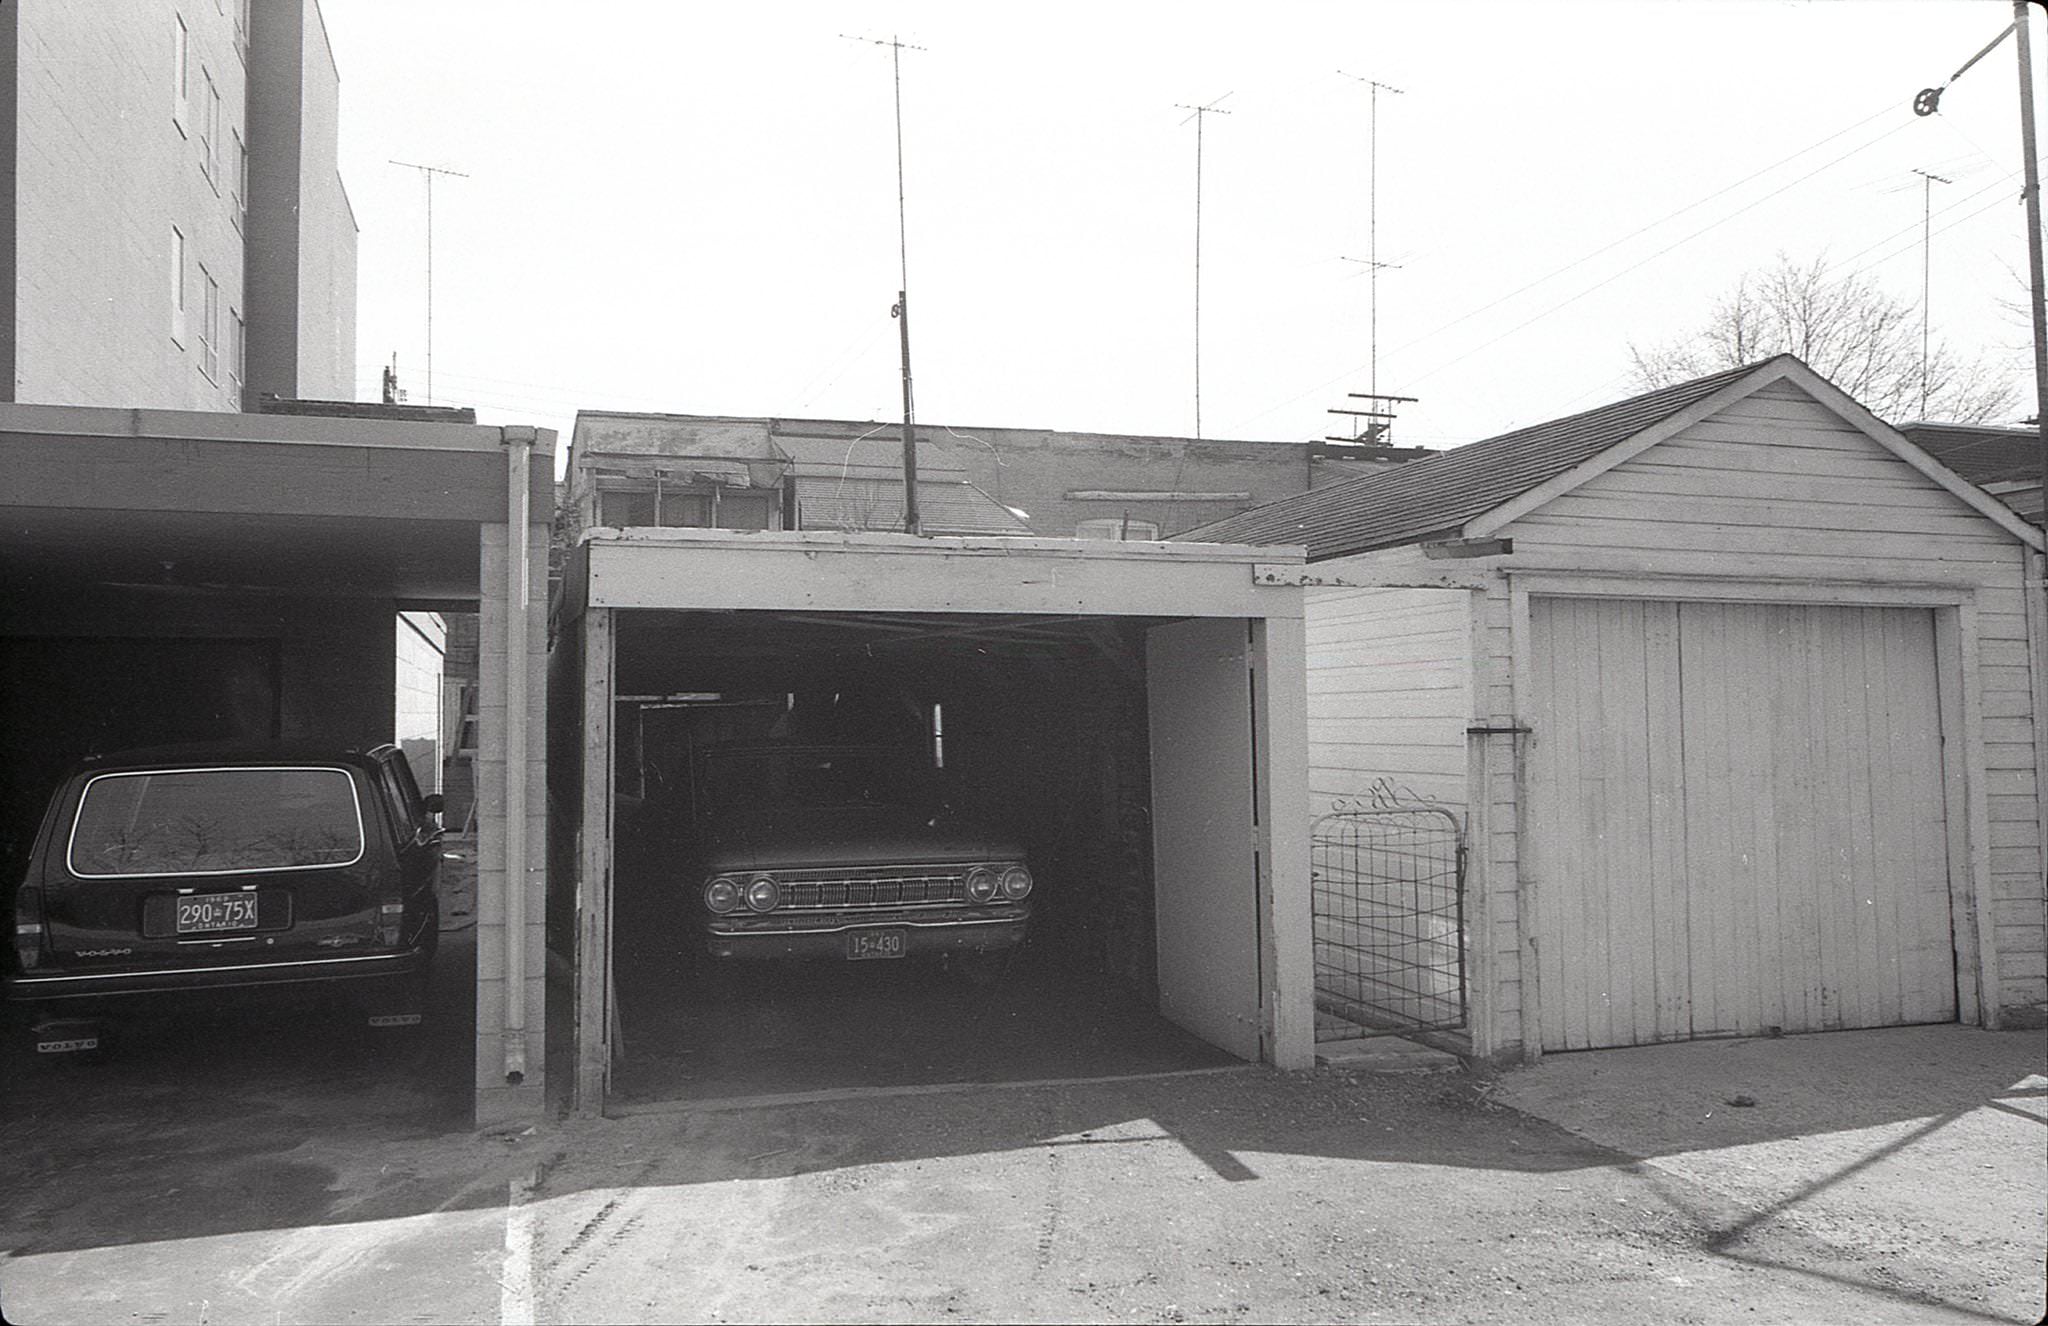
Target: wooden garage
[
  {"x": 1734, "y": 691},
  {"x": 1211, "y": 649}
]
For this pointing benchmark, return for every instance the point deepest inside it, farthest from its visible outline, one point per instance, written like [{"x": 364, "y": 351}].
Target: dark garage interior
[{"x": 1032, "y": 727}]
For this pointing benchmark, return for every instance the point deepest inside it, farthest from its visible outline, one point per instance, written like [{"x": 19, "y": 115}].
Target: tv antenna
[
  {"x": 912, "y": 522},
  {"x": 429, "y": 172},
  {"x": 1208, "y": 108},
  {"x": 1928, "y": 179},
  {"x": 1372, "y": 224}
]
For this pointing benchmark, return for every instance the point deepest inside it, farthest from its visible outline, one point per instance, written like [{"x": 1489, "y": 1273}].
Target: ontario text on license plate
[
  {"x": 875, "y": 944},
  {"x": 203, "y": 912}
]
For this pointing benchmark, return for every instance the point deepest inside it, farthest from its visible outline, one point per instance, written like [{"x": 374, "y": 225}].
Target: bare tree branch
[{"x": 1849, "y": 330}]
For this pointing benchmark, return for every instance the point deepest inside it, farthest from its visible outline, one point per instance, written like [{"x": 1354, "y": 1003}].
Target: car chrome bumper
[
  {"x": 36, "y": 985},
  {"x": 825, "y": 935}
]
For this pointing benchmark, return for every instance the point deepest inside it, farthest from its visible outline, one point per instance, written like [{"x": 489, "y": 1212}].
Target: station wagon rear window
[{"x": 215, "y": 822}]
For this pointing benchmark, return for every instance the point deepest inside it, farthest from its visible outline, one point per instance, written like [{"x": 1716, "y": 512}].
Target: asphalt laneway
[{"x": 311, "y": 1182}]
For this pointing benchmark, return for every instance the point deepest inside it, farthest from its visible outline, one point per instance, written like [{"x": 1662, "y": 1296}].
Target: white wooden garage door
[{"x": 1739, "y": 820}]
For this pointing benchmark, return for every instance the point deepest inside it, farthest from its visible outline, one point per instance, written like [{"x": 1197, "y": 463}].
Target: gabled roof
[
  {"x": 1438, "y": 494},
  {"x": 1448, "y": 494}
]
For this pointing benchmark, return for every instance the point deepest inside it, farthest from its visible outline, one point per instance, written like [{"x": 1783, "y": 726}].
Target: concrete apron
[{"x": 1907, "y": 1147}]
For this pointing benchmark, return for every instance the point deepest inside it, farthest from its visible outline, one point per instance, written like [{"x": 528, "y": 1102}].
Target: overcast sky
[{"x": 692, "y": 207}]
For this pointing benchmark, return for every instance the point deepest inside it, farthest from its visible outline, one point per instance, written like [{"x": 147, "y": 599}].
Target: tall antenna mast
[
  {"x": 429, "y": 172},
  {"x": 1372, "y": 224},
  {"x": 1208, "y": 108},
  {"x": 913, "y": 523},
  {"x": 1927, "y": 182}
]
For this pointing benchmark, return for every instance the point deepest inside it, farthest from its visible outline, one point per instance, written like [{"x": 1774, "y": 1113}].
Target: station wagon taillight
[
  {"x": 390, "y": 919},
  {"x": 28, "y": 926}
]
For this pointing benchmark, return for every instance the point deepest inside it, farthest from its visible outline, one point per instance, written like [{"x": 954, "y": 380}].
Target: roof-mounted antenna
[
  {"x": 1208, "y": 108},
  {"x": 912, "y": 522}
]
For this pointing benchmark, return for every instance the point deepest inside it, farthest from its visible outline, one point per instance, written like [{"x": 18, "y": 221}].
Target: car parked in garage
[
  {"x": 846, "y": 853},
  {"x": 238, "y": 869}
]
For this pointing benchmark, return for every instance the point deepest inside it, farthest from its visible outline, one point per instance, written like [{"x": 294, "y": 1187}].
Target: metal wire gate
[{"x": 1388, "y": 889}]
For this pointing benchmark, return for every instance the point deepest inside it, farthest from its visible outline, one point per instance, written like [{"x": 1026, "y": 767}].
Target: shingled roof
[
  {"x": 1437, "y": 496},
  {"x": 1979, "y": 452}
]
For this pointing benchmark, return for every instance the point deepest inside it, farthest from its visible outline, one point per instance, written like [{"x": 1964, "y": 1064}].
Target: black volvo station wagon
[{"x": 235, "y": 869}]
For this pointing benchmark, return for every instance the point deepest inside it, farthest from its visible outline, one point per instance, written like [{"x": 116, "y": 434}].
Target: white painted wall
[
  {"x": 1389, "y": 693},
  {"x": 417, "y": 720}
]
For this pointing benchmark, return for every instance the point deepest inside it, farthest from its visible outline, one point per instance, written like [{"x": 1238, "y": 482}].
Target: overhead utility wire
[
  {"x": 1676, "y": 244},
  {"x": 1625, "y": 376},
  {"x": 1580, "y": 262},
  {"x": 1692, "y": 206},
  {"x": 1845, "y": 263}
]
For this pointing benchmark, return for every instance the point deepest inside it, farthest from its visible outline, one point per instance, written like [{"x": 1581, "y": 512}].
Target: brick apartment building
[{"x": 174, "y": 233}]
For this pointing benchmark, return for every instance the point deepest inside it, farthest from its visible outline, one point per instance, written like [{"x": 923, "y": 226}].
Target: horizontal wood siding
[
  {"x": 1387, "y": 694},
  {"x": 1777, "y": 487}
]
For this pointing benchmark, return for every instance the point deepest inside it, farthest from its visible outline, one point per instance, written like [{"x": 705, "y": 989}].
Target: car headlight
[
  {"x": 1016, "y": 883},
  {"x": 721, "y": 895},
  {"x": 982, "y": 884},
  {"x": 763, "y": 894}
]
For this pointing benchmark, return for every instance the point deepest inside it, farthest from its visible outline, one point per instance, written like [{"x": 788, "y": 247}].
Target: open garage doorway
[
  {"x": 785, "y": 808},
  {"x": 980, "y": 736}
]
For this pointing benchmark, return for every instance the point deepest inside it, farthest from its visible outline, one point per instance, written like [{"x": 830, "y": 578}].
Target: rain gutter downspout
[{"x": 518, "y": 441}]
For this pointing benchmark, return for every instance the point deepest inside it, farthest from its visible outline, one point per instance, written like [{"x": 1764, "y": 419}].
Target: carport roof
[{"x": 196, "y": 502}]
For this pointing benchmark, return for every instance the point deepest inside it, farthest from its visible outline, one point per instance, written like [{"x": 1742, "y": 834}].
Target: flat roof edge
[
  {"x": 210, "y": 426},
  {"x": 973, "y": 545}
]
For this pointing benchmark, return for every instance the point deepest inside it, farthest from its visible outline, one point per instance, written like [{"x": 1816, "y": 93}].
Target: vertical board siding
[
  {"x": 1742, "y": 821},
  {"x": 1779, "y": 487}
]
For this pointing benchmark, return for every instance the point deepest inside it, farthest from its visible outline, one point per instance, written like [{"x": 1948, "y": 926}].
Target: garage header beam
[{"x": 830, "y": 572}]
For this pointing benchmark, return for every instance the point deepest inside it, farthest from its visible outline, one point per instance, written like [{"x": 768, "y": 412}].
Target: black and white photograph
[{"x": 889, "y": 661}]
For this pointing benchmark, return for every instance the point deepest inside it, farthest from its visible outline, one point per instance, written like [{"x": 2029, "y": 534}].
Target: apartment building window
[
  {"x": 209, "y": 326},
  {"x": 181, "y": 72},
  {"x": 239, "y": 185},
  {"x": 209, "y": 131},
  {"x": 178, "y": 286},
  {"x": 238, "y": 350}
]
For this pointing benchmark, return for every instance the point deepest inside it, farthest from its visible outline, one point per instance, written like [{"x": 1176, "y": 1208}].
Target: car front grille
[{"x": 870, "y": 887}]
